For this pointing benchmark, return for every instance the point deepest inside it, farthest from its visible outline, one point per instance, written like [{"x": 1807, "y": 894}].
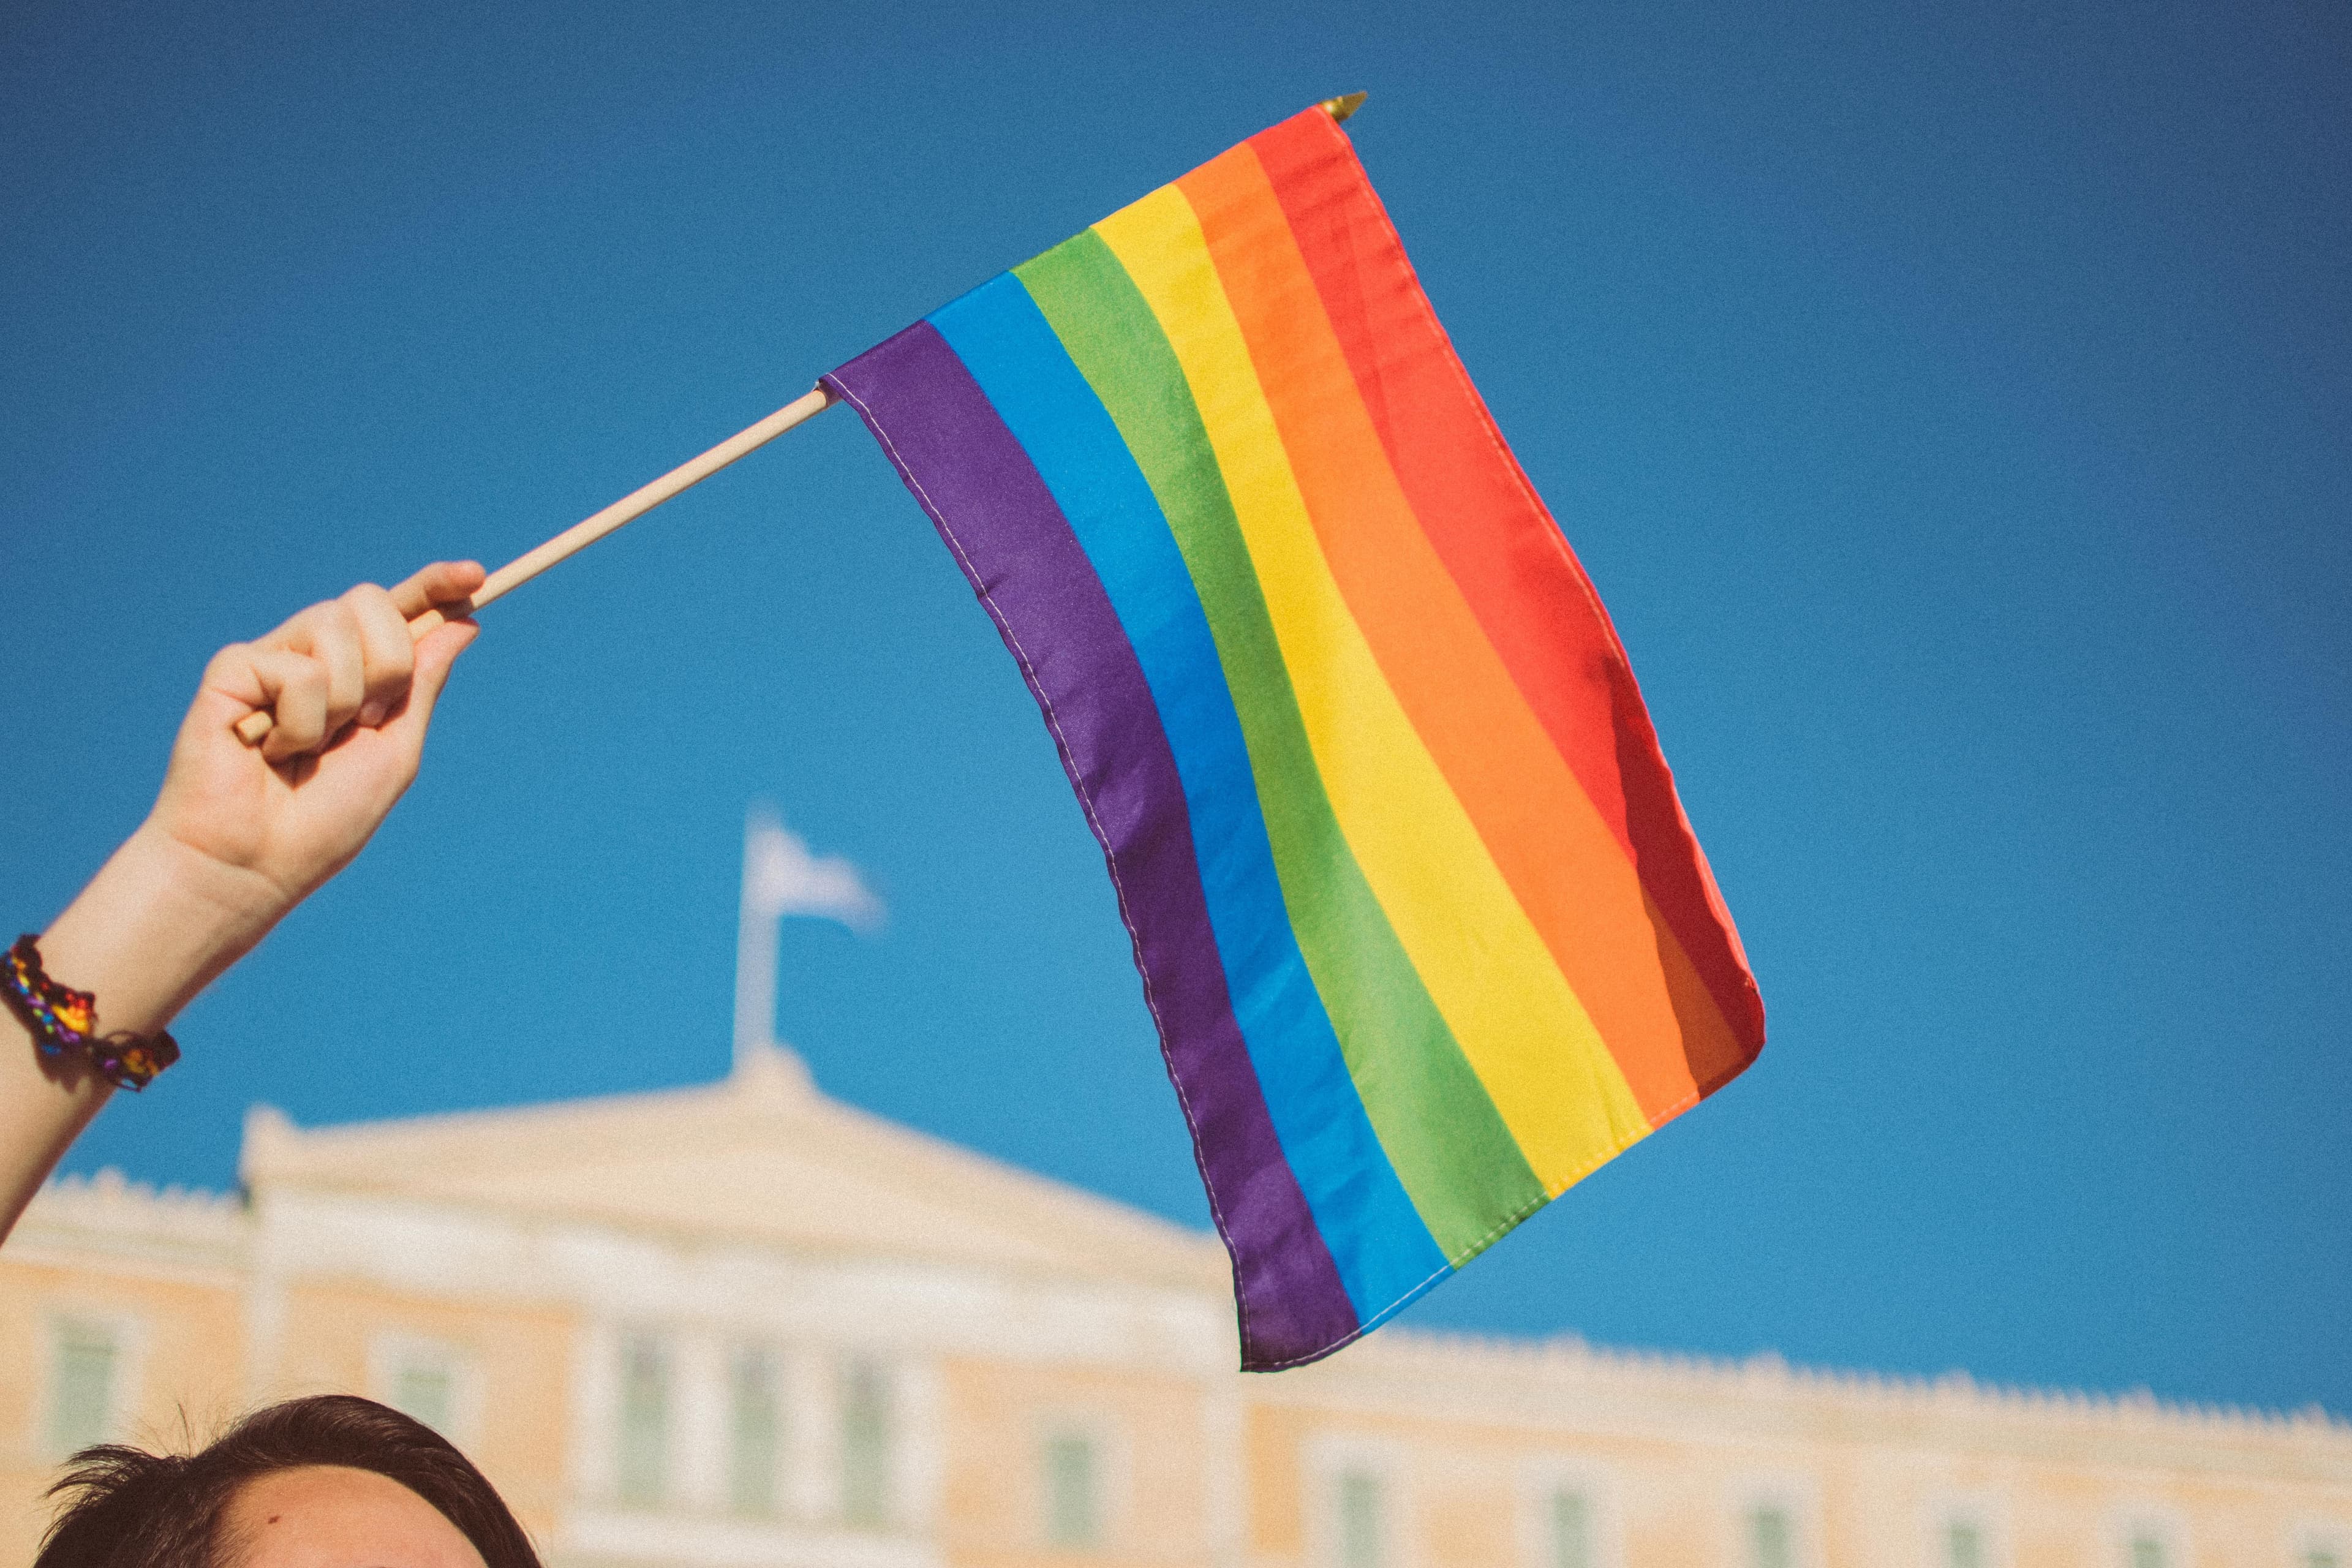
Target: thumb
[{"x": 435, "y": 656}]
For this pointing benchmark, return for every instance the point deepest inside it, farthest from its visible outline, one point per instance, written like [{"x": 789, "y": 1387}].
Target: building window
[
  {"x": 1771, "y": 1538},
  {"x": 1964, "y": 1545},
  {"x": 423, "y": 1384},
  {"x": 1072, "y": 1490},
  {"x": 643, "y": 1472},
  {"x": 2147, "y": 1552},
  {"x": 755, "y": 1432},
  {"x": 85, "y": 1359},
  {"x": 866, "y": 1444},
  {"x": 1362, "y": 1532},
  {"x": 1571, "y": 1530}
]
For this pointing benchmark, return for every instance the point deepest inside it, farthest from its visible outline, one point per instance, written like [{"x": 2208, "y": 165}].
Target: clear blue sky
[{"x": 1954, "y": 413}]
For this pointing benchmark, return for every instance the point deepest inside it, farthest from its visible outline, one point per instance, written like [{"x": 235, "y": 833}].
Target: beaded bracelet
[{"x": 63, "y": 1019}]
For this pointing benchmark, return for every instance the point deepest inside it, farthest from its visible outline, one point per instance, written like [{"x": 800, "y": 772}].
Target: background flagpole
[
  {"x": 588, "y": 530},
  {"x": 756, "y": 920}
]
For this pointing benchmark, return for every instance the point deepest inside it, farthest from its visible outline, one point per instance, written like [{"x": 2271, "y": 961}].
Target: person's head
[{"x": 332, "y": 1481}]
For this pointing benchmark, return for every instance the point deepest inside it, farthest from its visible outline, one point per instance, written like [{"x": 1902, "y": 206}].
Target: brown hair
[{"x": 129, "y": 1509}]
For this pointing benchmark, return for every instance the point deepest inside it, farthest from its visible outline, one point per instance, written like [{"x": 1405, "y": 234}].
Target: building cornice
[
  {"x": 1564, "y": 1380},
  {"x": 78, "y": 1219}
]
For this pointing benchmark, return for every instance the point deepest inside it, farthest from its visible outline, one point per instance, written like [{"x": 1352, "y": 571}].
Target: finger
[
  {"x": 389, "y": 658},
  {"x": 434, "y": 654},
  {"x": 439, "y": 650},
  {"x": 231, "y": 674},
  {"x": 443, "y": 583},
  {"x": 295, "y": 686},
  {"x": 333, "y": 634}
]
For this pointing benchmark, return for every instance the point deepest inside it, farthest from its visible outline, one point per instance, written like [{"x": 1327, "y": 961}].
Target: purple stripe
[{"x": 995, "y": 512}]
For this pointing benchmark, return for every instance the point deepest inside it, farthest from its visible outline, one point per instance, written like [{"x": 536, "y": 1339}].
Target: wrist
[{"x": 156, "y": 924}]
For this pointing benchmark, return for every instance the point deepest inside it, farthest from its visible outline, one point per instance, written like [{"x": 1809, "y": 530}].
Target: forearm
[
  {"x": 43, "y": 1108},
  {"x": 156, "y": 924},
  {"x": 238, "y": 836}
]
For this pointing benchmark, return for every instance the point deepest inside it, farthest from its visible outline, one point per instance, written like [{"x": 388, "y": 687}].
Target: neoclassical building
[{"x": 746, "y": 1326}]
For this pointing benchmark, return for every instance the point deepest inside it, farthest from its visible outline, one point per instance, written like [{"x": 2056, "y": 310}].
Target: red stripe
[{"x": 1508, "y": 557}]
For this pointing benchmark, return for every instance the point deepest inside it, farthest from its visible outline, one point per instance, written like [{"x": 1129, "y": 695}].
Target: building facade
[{"x": 746, "y": 1326}]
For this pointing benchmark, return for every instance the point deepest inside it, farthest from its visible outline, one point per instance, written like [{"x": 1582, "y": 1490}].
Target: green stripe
[{"x": 1435, "y": 1122}]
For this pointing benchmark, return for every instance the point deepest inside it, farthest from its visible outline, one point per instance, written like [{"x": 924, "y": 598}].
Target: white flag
[{"x": 781, "y": 878}]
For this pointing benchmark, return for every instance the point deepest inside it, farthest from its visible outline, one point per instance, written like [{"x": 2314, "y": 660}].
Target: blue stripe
[{"x": 1377, "y": 1239}]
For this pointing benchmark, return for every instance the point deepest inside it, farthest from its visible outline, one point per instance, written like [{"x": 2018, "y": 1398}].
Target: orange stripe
[
  {"x": 1555, "y": 852},
  {"x": 1513, "y": 567}
]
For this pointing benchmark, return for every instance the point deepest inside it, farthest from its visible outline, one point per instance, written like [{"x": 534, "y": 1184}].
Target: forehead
[{"x": 324, "y": 1515}]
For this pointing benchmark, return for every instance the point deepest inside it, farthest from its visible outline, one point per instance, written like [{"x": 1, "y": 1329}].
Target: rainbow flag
[{"x": 1421, "y": 920}]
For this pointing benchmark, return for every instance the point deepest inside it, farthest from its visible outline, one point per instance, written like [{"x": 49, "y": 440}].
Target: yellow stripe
[{"x": 1528, "y": 1037}]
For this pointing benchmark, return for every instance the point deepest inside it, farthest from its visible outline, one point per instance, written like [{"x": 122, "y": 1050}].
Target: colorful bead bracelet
[{"x": 63, "y": 1019}]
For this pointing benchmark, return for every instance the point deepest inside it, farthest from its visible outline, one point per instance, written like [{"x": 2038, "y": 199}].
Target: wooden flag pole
[{"x": 580, "y": 535}]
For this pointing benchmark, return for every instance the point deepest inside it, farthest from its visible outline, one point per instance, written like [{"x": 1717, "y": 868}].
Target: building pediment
[{"x": 762, "y": 1158}]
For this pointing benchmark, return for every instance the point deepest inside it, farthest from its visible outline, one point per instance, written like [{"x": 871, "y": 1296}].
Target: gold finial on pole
[{"x": 1346, "y": 104}]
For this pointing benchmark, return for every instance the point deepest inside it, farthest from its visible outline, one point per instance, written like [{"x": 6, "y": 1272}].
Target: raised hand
[{"x": 350, "y": 695}]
